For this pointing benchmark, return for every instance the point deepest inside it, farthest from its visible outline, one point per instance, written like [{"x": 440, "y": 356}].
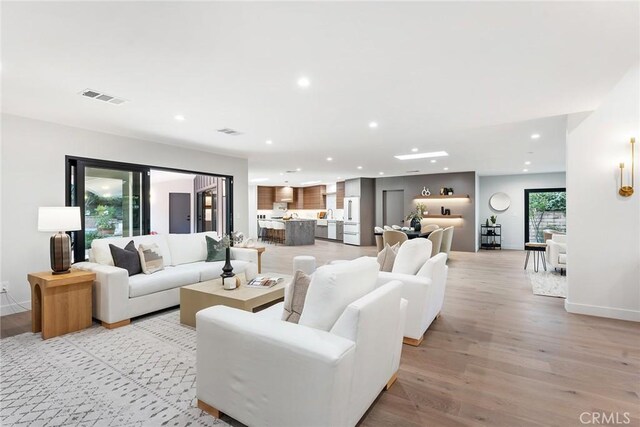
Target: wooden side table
[{"x": 60, "y": 303}]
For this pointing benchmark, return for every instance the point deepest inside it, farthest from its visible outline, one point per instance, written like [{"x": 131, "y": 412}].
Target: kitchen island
[{"x": 299, "y": 231}]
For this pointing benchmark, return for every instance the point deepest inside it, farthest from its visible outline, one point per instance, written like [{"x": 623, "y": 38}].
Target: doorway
[
  {"x": 544, "y": 209},
  {"x": 393, "y": 207}
]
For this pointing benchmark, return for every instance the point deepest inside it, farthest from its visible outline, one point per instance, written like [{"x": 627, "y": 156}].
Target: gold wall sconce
[{"x": 627, "y": 190}]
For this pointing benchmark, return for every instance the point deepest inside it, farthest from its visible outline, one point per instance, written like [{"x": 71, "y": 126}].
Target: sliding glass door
[
  {"x": 113, "y": 198},
  {"x": 545, "y": 212}
]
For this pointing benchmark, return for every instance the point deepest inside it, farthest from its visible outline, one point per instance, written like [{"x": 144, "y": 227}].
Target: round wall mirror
[{"x": 500, "y": 202}]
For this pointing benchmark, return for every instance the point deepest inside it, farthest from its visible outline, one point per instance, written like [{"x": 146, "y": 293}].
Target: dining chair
[
  {"x": 447, "y": 238},
  {"x": 436, "y": 241},
  {"x": 379, "y": 239},
  {"x": 391, "y": 237}
]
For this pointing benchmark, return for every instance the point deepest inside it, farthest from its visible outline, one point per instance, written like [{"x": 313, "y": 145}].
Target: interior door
[
  {"x": 179, "y": 213},
  {"x": 393, "y": 207}
]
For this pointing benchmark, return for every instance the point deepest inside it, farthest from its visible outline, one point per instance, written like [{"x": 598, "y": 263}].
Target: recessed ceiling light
[
  {"x": 281, "y": 174},
  {"x": 298, "y": 169},
  {"x": 446, "y": 169},
  {"x": 339, "y": 177},
  {"x": 259, "y": 179},
  {"x": 359, "y": 167},
  {"x": 421, "y": 155},
  {"x": 268, "y": 142},
  {"x": 535, "y": 136},
  {"x": 527, "y": 162},
  {"x": 310, "y": 182},
  {"x": 179, "y": 117},
  {"x": 329, "y": 159},
  {"x": 415, "y": 150},
  {"x": 433, "y": 160},
  {"x": 525, "y": 170},
  {"x": 380, "y": 173},
  {"x": 373, "y": 125},
  {"x": 304, "y": 82}
]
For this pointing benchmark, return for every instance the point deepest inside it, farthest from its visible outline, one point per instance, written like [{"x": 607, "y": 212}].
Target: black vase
[
  {"x": 227, "y": 270},
  {"x": 415, "y": 223}
]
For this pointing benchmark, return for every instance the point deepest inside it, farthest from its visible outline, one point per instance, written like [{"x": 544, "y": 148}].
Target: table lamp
[{"x": 59, "y": 219}]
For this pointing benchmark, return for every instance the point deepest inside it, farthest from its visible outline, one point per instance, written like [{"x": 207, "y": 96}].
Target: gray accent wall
[{"x": 464, "y": 236}]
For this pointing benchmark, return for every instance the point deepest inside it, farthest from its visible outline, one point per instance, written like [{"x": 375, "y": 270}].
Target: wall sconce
[{"x": 627, "y": 190}]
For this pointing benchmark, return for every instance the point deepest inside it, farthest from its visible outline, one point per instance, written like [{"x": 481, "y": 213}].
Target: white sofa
[
  {"x": 423, "y": 285},
  {"x": 117, "y": 297},
  {"x": 556, "y": 253},
  {"x": 325, "y": 371}
]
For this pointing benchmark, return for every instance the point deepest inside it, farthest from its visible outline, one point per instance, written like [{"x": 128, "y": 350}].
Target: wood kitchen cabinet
[
  {"x": 284, "y": 194},
  {"x": 266, "y": 197},
  {"x": 314, "y": 197},
  {"x": 340, "y": 195}
]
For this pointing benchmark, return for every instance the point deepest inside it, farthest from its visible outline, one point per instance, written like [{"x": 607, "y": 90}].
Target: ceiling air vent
[
  {"x": 99, "y": 96},
  {"x": 231, "y": 132},
  {"x": 290, "y": 171},
  {"x": 415, "y": 171}
]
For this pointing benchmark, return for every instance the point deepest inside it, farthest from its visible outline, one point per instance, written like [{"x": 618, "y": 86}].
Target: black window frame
[
  {"x": 528, "y": 191},
  {"x": 80, "y": 163}
]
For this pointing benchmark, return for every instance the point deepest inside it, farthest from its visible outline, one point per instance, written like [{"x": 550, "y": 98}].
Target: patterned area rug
[
  {"x": 548, "y": 283},
  {"x": 138, "y": 375}
]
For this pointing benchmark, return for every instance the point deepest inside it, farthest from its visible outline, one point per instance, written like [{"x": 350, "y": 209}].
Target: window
[{"x": 545, "y": 209}]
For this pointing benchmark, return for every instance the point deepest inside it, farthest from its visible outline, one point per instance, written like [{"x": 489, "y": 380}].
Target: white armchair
[
  {"x": 423, "y": 280},
  {"x": 263, "y": 371},
  {"x": 556, "y": 253}
]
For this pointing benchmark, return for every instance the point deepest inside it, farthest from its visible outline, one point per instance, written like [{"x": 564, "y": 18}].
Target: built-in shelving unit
[
  {"x": 438, "y": 196},
  {"x": 442, "y": 216}
]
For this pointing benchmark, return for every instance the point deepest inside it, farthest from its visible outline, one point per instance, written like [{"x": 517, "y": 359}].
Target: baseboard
[
  {"x": 609, "y": 312},
  {"x": 11, "y": 308}
]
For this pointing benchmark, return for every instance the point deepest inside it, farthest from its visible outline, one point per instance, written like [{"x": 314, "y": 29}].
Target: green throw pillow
[{"x": 215, "y": 250}]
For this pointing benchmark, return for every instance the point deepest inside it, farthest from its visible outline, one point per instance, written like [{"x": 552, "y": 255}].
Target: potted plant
[
  {"x": 105, "y": 220},
  {"x": 415, "y": 217},
  {"x": 493, "y": 220}
]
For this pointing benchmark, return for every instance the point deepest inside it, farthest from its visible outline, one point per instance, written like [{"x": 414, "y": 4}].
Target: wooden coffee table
[{"x": 194, "y": 298}]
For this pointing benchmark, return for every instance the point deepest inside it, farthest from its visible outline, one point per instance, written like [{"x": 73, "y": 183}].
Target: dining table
[{"x": 411, "y": 234}]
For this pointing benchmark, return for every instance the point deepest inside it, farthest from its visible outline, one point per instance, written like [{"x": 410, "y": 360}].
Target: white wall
[
  {"x": 603, "y": 228},
  {"x": 512, "y": 220},
  {"x": 33, "y": 175},
  {"x": 160, "y": 202}
]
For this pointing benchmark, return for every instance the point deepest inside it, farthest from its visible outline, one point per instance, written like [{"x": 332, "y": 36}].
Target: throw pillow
[
  {"x": 150, "y": 258},
  {"x": 295, "y": 296},
  {"x": 126, "y": 258},
  {"x": 387, "y": 257},
  {"x": 215, "y": 250}
]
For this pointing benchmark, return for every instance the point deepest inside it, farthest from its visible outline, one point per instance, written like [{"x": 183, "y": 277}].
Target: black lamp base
[{"x": 60, "y": 252}]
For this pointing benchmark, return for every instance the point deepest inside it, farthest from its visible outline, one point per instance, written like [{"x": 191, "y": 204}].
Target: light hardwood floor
[{"x": 498, "y": 355}]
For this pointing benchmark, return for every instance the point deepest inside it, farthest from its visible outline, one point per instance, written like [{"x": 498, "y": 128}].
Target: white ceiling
[{"x": 474, "y": 79}]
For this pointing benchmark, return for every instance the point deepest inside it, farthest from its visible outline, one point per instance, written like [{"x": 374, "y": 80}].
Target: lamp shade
[{"x": 59, "y": 219}]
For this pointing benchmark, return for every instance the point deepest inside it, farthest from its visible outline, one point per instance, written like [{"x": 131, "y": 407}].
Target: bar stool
[
  {"x": 270, "y": 234},
  {"x": 279, "y": 229},
  {"x": 263, "y": 229}
]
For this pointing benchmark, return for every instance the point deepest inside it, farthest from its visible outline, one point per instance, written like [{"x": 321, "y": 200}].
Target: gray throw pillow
[
  {"x": 150, "y": 258},
  {"x": 295, "y": 296},
  {"x": 387, "y": 257},
  {"x": 126, "y": 258},
  {"x": 215, "y": 250}
]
